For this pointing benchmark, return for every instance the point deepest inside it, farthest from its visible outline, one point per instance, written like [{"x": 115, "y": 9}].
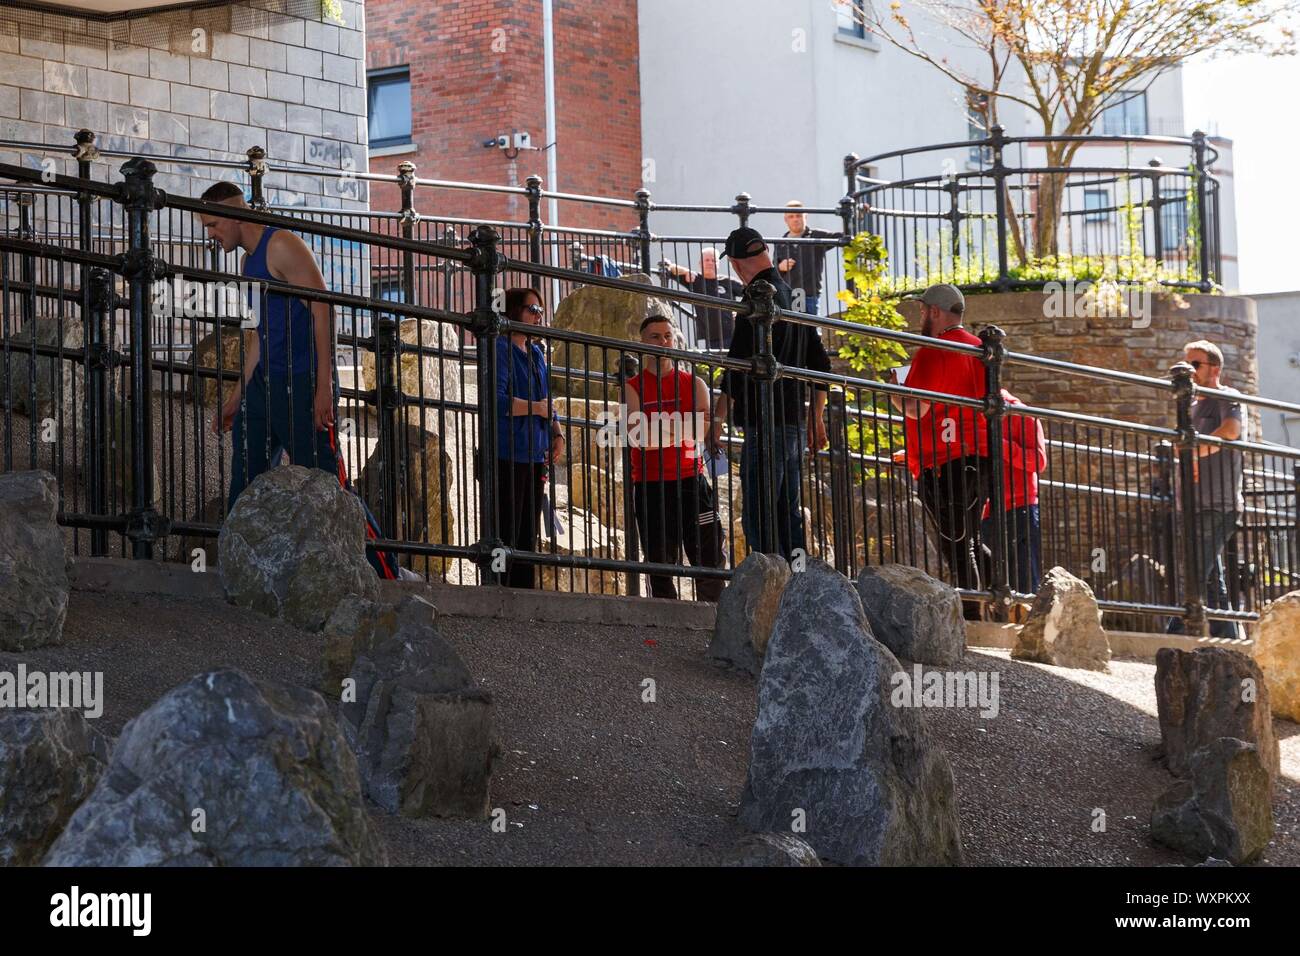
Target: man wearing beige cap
[
  {"x": 948, "y": 444},
  {"x": 803, "y": 264}
]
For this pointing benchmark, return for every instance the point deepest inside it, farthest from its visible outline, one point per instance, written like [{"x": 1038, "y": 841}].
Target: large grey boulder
[
  {"x": 420, "y": 724},
  {"x": 746, "y": 611},
  {"x": 1209, "y": 693},
  {"x": 50, "y": 759},
  {"x": 912, "y": 614},
  {"x": 225, "y": 770},
  {"x": 771, "y": 849},
  {"x": 42, "y": 386},
  {"x": 33, "y": 565},
  {"x": 1224, "y": 810},
  {"x": 831, "y": 759},
  {"x": 1064, "y": 626},
  {"x": 293, "y": 546},
  {"x": 349, "y": 633}
]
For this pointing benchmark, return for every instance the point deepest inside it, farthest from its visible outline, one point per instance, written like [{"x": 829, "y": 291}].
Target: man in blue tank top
[{"x": 289, "y": 383}]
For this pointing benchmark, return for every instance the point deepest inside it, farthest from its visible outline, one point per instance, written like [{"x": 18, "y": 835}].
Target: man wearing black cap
[{"x": 797, "y": 423}]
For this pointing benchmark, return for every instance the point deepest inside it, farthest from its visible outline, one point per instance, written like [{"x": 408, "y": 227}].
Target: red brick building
[{"x": 475, "y": 72}]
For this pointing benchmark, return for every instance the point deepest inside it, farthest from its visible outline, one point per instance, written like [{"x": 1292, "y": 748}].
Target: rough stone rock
[
  {"x": 33, "y": 565},
  {"x": 614, "y": 313},
  {"x": 583, "y": 534},
  {"x": 349, "y": 633},
  {"x": 1209, "y": 693},
  {"x": 747, "y": 610},
  {"x": 1224, "y": 810},
  {"x": 293, "y": 546},
  {"x": 50, "y": 759},
  {"x": 1064, "y": 626},
  {"x": 262, "y": 765},
  {"x": 582, "y": 420},
  {"x": 52, "y": 385},
  {"x": 890, "y": 526},
  {"x": 205, "y": 356},
  {"x": 596, "y": 491},
  {"x": 829, "y": 748},
  {"x": 771, "y": 849},
  {"x": 422, "y": 375},
  {"x": 912, "y": 614},
  {"x": 423, "y": 494},
  {"x": 421, "y": 726},
  {"x": 1277, "y": 651}
]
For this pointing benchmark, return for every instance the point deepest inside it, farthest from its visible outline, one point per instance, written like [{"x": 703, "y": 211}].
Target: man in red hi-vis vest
[
  {"x": 1024, "y": 455},
  {"x": 668, "y": 421}
]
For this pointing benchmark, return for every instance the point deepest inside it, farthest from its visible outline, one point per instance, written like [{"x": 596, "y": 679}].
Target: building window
[
  {"x": 1095, "y": 202},
  {"x": 1173, "y": 219},
  {"x": 389, "y": 104},
  {"x": 389, "y": 289},
  {"x": 850, "y": 17},
  {"x": 1126, "y": 117}
]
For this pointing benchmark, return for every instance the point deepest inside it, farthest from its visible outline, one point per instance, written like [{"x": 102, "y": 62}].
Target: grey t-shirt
[{"x": 1219, "y": 486}]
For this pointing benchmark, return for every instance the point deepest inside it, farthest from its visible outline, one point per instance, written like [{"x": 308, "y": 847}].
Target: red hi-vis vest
[{"x": 673, "y": 394}]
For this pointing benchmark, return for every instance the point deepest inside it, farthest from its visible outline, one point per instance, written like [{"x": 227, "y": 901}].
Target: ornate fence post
[
  {"x": 841, "y": 485},
  {"x": 993, "y": 340},
  {"x": 406, "y": 185},
  {"x": 1194, "y": 575},
  {"x": 643, "y": 228},
  {"x": 1166, "y": 517},
  {"x": 387, "y": 401},
  {"x": 1157, "y": 208},
  {"x": 101, "y": 301},
  {"x": 953, "y": 188},
  {"x": 762, "y": 312},
  {"x": 741, "y": 209},
  {"x": 534, "y": 186},
  {"x": 995, "y": 142},
  {"x": 850, "y": 189},
  {"x": 486, "y": 326},
  {"x": 141, "y": 268},
  {"x": 256, "y": 172},
  {"x": 1202, "y": 219}
]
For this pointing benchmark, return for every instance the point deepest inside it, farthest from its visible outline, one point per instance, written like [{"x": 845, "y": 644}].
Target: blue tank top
[{"x": 281, "y": 315}]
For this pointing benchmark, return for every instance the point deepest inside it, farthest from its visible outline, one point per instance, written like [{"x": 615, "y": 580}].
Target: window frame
[
  {"x": 389, "y": 76},
  {"x": 1120, "y": 107},
  {"x": 1102, "y": 213},
  {"x": 859, "y": 28}
]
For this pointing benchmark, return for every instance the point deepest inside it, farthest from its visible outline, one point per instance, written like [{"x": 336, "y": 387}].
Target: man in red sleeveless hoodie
[{"x": 671, "y": 495}]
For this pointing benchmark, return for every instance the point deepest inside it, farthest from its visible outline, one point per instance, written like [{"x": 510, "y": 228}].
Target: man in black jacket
[
  {"x": 713, "y": 325},
  {"x": 803, "y": 264},
  {"x": 797, "y": 424}
]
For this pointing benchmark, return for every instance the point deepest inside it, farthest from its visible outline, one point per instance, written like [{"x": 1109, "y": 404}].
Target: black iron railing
[
  {"x": 421, "y": 411},
  {"x": 995, "y": 214}
]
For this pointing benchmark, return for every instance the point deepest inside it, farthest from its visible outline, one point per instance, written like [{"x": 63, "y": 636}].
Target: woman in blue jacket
[{"x": 528, "y": 435}]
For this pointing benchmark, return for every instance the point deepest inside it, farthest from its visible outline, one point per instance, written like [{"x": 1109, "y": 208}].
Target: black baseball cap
[{"x": 743, "y": 243}]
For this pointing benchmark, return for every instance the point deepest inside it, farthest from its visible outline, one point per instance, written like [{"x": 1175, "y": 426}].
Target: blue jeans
[
  {"x": 812, "y": 303},
  {"x": 788, "y": 443},
  {"x": 267, "y": 427},
  {"x": 1214, "y": 528},
  {"x": 1024, "y": 547}
]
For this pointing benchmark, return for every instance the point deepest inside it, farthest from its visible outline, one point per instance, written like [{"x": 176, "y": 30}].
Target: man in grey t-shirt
[{"x": 1218, "y": 474}]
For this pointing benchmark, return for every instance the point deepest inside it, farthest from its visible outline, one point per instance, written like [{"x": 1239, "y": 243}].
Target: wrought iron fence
[
  {"x": 421, "y": 340},
  {"x": 995, "y": 214}
]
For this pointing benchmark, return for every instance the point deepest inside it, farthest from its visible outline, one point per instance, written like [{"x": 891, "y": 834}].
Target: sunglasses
[
  {"x": 535, "y": 309},
  {"x": 1197, "y": 363}
]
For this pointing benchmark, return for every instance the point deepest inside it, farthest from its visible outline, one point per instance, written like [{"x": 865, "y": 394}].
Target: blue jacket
[{"x": 524, "y": 375}]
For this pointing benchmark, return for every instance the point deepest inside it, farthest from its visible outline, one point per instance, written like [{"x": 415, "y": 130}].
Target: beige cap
[{"x": 944, "y": 296}]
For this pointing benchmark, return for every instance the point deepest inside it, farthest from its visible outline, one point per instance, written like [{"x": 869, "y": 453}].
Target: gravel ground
[{"x": 592, "y": 774}]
